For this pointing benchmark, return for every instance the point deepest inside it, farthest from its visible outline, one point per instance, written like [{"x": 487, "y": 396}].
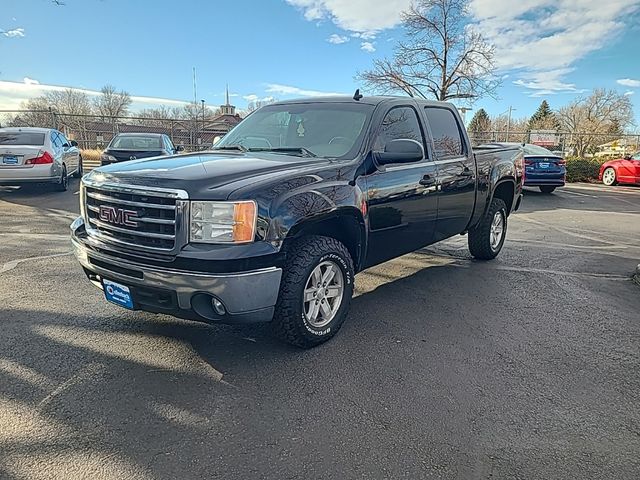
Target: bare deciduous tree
[
  {"x": 443, "y": 56},
  {"x": 599, "y": 118},
  {"x": 112, "y": 103}
]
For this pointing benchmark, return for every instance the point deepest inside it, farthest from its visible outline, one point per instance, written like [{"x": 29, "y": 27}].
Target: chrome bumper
[{"x": 246, "y": 296}]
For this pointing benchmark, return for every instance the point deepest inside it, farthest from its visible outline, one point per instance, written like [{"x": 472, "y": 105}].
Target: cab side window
[
  {"x": 447, "y": 139},
  {"x": 399, "y": 122}
]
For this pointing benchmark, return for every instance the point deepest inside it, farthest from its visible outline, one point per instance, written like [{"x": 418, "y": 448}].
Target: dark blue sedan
[{"x": 543, "y": 169}]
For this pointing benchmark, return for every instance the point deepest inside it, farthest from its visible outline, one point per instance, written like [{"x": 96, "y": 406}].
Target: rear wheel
[
  {"x": 487, "y": 238},
  {"x": 547, "y": 188},
  {"x": 63, "y": 183},
  {"x": 78, "y": 173},
  {"x": 609, "y": 176},
  {"x": 315, "y": 293}
]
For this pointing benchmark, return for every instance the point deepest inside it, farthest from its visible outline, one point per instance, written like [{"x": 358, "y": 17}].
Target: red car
[{"x": 624, "y": 170}]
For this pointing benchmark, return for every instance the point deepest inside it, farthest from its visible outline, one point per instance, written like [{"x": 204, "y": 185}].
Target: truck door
[
  {"x": 456, "y": 172},
  {"x": 402, "y": 197}
]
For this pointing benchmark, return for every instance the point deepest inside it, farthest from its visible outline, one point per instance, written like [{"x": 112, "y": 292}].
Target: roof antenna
[{"x": 357, "y": 96}]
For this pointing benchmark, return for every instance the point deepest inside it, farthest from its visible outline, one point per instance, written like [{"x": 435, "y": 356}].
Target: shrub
[
  {"x": 583, "y": 169},
  {"x": 91, "y": 156}
]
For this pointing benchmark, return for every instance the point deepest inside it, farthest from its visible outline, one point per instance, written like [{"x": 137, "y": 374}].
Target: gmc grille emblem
[{"x": 118, "y": 216}]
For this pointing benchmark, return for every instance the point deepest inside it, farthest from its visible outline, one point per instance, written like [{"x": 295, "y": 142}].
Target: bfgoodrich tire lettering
[
  {"x": 481, "y": 245},
  {"x": 290, "y": 321}
]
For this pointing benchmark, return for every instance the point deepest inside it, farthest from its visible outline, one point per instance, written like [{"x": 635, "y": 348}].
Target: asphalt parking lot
[{"x": 524, "y": 367}]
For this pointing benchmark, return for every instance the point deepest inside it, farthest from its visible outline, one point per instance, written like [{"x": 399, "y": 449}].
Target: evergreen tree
[
  {"x": 544, "y": 118},
  {"x": 479, "y": 127}
]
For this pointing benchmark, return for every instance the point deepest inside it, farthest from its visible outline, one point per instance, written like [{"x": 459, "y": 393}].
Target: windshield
[
  {"x": 135, "y": 142},
  {"x": 333, "y": 130},
  {"x": 21, "y": 138},
  {"x": 536, "y": 150}
]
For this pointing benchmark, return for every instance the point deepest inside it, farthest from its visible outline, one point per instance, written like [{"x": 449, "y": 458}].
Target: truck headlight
[{"x": 222, "y": 222}]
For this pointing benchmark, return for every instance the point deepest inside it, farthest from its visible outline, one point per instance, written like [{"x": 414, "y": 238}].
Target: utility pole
[
  {"x": 509, "y": 121},
  {"x": 202, "y": 121}
]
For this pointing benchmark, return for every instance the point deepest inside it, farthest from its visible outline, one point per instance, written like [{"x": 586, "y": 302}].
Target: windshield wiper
[
  {"x": 305, "y": 152},
  {"x": 232, "y": 147}
]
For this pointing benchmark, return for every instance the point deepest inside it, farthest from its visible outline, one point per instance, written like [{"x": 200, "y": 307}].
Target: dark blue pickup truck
[{"x": 273, "y": 223}]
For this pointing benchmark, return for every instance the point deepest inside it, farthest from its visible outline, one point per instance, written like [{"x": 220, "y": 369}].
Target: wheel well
[
  {"x": 505, "y": 191},
  {"x": 347, "y": 229}
]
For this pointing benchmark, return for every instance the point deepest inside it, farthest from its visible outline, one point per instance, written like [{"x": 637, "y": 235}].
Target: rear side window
[
  {"x": 21, "y": 138},
  {"x": 447, "y": 140},
  {"x": 398, "y": 123}
]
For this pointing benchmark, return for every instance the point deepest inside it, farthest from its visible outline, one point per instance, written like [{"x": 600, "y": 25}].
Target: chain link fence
[
  {"x": 94, "y": 132},
  {"x": 584, "y": 151}
]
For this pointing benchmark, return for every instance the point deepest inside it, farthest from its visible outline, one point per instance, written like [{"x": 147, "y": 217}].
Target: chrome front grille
[{"x": 135, "y": 217}]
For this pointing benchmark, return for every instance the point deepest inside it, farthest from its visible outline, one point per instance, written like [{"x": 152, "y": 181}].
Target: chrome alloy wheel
[
  {"x": 497, "y": 230},
  {"x": 609, "y": 176},
  {"x": 323, "y": 294}
]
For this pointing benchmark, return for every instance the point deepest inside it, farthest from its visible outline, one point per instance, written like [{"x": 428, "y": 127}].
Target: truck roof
[{"x": 369, "y": 100}]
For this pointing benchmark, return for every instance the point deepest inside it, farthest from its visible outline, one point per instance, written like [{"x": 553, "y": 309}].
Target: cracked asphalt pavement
[{"x": 526, "y": 367}]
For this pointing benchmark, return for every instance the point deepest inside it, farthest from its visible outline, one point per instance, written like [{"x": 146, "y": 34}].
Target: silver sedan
[{"x": 38, "y": 155}]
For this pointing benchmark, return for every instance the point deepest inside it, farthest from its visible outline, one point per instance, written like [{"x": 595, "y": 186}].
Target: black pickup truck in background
[{"x": 275, "y": 221}]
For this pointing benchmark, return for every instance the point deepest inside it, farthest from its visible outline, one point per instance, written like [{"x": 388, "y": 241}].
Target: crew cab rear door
[
  {"x": 402, "y": 197},
  {"x": 456, "y": 171}
]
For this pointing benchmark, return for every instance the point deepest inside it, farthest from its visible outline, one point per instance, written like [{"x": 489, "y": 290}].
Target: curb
[{"x": 636, "y": 275}]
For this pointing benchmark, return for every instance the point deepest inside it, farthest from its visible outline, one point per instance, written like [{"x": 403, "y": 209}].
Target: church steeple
[{"x": 227, "y": 108}]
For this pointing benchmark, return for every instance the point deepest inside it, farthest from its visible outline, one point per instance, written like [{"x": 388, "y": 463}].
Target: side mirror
[
  {"x": 627, "y": 156},
  {"x": 74, "y": 143},
  {"x": 179, "y": 148},
  {"x": 401, "y": 150}
]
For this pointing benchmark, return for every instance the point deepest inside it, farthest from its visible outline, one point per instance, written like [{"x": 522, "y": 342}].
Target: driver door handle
[
  {"x": 466, "y": 172},
  {"x": 427, "y": 181}
]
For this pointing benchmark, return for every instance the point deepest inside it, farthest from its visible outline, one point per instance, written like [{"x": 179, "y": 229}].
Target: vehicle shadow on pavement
[{"x": 415, "y": 383}]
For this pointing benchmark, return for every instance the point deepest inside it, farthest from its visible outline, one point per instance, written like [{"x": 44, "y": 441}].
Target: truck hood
[{"x": 205, "y": 175}]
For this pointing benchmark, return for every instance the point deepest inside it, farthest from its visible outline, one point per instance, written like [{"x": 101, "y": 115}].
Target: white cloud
[
  {"x": 367, "y": 47},
  {"x": 365, "y": 35},
  {"x": 629, "y": 92},
  {"x": 354, "y": 15},
  {"x": 628, "y": 82},
  {"x": 541, "y": 39},
  {"x": 15, "y": 32},
  {"x": 255, "y": 98},
  {"x": 290, "y": 90},
  {"x": 12, "y": 94},
  {"x": 337, "y": 39}
]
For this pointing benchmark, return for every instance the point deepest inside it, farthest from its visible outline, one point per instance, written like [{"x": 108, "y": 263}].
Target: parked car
[
  {"x": 275, "y": 221},
  {"x": 131, "y": 146},
  {"x": 623, "y": 170},
  {"x": 543, "y": 169},
  {"x": 38, "y": 155}
]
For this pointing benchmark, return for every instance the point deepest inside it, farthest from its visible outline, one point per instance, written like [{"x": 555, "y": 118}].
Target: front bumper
[{"x": 247, "y": 297}]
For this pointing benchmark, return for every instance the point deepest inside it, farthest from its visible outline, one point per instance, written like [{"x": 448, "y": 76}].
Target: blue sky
[{"x": 551, "y": 49}]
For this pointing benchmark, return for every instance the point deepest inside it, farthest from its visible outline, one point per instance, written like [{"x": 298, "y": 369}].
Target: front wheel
[
  {"x": 487, "y": 238},
  {"x": 547, "y": 189},
  {"x": 609, "y": 176},
  {"x": 315, "y": 293},
  {"x": 78, "y": 172},
  {"x": 63, "y": 183}
]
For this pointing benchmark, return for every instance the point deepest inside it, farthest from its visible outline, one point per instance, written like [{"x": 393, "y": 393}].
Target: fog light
[{"x": 218, "y": 306}]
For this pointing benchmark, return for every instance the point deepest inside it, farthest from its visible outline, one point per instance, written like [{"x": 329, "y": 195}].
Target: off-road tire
[
  {"x": 479, "y": 237},
  {"x": 289, "y": 322}
]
